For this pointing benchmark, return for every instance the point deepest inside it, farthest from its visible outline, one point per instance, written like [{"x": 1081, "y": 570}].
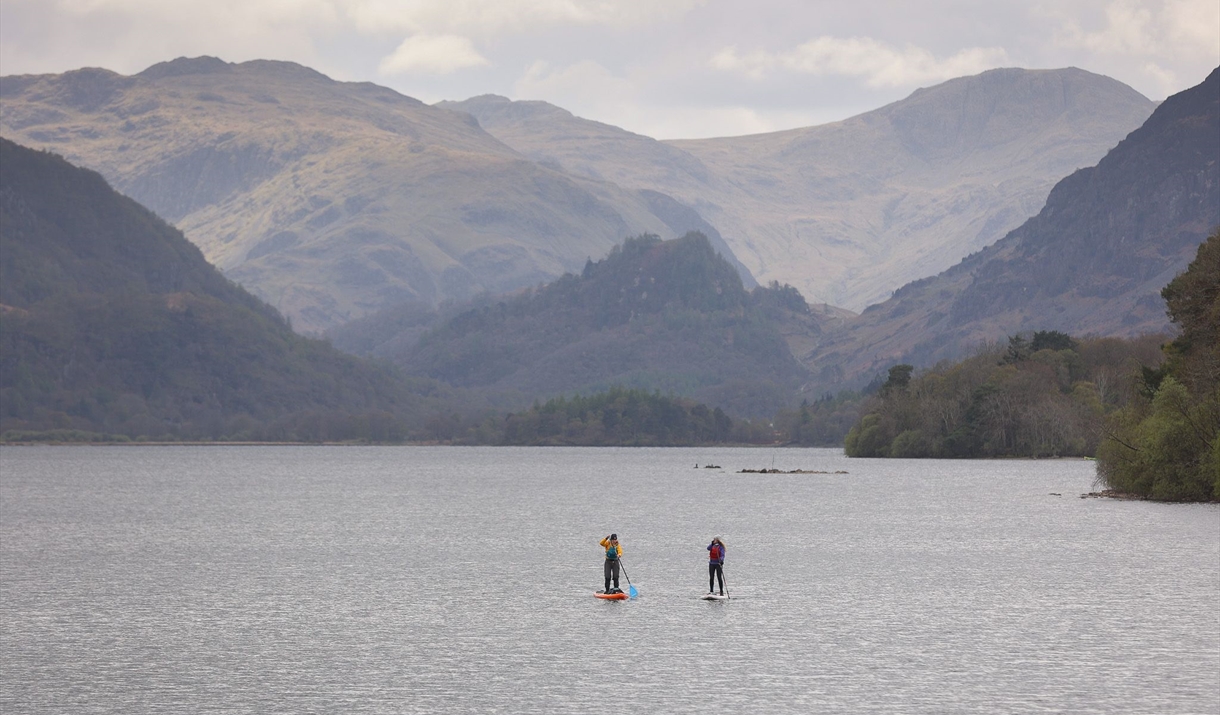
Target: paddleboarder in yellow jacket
[{"x": 613, "y": 552}]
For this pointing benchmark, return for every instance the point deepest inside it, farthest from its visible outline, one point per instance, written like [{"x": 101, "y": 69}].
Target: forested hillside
[
  {"x": 112, "y": 322},
  {"x": 1045, "y": 395},
  {"x": 657, "y": 315},
  {"x": 1165, "y": 444}
]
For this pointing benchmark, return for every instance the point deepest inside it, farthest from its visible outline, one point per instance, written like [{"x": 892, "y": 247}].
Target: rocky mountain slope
[
  {"x": 112, "y": 322},
  {"x": 1092, "y": 261},
  {"x": 327, "y": 199},
  {"x": 848, "y": 211}
]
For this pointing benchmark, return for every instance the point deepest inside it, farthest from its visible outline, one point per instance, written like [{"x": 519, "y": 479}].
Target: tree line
[
  {"x": 1148, "y": 409},
  {"x": 618, "y": 416},
  {"x": 1040, "y": 395},
  {"x": 1163, "y": 443}
]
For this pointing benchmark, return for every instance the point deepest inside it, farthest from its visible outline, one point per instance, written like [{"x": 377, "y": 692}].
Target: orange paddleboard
[{"x": 612, "y": 596}]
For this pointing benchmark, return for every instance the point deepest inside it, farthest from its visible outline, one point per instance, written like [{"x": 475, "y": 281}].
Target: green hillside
[{"x": 112, "y": 322}]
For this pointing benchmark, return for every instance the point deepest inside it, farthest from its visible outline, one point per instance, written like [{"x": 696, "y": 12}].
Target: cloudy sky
[{"x": 665, "y": 68}]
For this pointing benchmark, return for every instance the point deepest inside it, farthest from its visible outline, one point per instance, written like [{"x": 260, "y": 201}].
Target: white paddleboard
[{"x": 714, "y": 597}]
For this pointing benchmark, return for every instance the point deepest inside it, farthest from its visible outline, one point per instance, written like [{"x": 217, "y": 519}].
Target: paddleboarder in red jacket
[{"x": 715, "y": 564}]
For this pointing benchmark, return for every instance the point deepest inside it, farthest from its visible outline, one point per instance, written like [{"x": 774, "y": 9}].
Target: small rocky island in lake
[{"x": 789, "y": 471}]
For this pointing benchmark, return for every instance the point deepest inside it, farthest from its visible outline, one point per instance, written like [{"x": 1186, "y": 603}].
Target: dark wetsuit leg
[{"x": 611, "y": 572}]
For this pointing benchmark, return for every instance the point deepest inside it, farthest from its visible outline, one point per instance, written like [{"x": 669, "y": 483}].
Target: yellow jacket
[{"x": 606, "y": 545}]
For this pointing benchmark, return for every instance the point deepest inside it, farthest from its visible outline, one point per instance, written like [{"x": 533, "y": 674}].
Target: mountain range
[
  {"x": 1092, "y": 261},
  {"x": 327, "y": 199},
  {"x": 846, "y": 212},
  {"x": 332, "y": 200},
  {"x": 493, "y": 250}
]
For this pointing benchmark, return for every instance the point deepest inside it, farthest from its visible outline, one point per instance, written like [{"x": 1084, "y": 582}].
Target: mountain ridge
[
  {"x": 327, "y": 199},
  {"x": 848, "y": 211},
  {"x": 1092, "y": 261}
]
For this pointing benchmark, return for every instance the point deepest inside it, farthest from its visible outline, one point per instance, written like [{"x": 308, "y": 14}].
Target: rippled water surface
[{"x": 446, "y": 580}]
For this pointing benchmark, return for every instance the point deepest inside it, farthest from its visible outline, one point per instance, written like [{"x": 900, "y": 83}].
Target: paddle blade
[{"x": 631, "y": 591}]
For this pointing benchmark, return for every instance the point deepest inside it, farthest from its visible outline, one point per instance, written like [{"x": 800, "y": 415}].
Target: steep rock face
[
  {"x": 848, "y": 211},
  {"x": 1093, "y": 260},
  {"x": 328, "y": 199}
]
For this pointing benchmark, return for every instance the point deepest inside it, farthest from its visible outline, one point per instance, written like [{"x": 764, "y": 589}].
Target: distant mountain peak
[
  {"x": 488, "y": 98},
  {"x": 283, "y": 68},
  {"x": 489, "y": 106},
  {"x": 186, "y": 66},
  {"x": 206, "y": 65},
  {"x": 1005, "y": 79},
  {"x": 975, "y": 113}
]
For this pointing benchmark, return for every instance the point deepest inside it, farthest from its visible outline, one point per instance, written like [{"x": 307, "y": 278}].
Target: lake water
[{"x": 459, "y": 580}]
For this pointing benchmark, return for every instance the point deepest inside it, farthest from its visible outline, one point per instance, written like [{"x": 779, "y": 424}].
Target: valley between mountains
[{"x": 492, "y": 253}]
